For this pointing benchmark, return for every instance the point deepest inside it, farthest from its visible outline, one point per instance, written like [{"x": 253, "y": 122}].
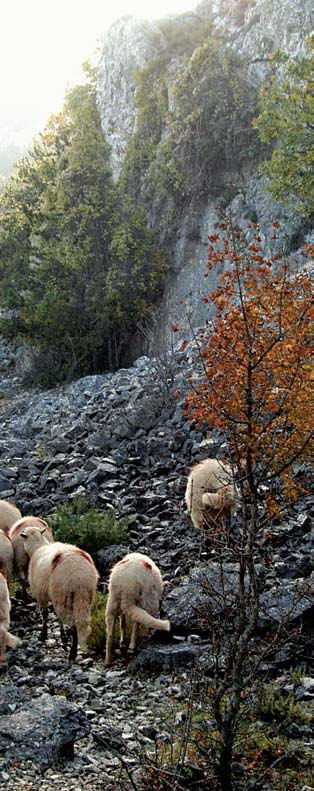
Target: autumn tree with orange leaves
[
  {"x": 256, "y": 361},
  {"x": 254, "y": 387}
]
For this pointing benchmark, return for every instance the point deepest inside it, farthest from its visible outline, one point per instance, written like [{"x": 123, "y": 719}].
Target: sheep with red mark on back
[
  {"x": 135, "y": 590},
  {"x": 21, "y": 559},
  {"x": 67, "y": 577}
]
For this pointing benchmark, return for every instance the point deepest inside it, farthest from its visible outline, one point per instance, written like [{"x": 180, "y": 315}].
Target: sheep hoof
[
  {"x": 72, "y": 656},
  {"x": 64, "y": 640},
  {"x": 73, "y": 651}
]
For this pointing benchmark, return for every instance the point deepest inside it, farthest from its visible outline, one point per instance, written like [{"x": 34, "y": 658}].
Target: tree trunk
[{"x": 225, "y": 758}]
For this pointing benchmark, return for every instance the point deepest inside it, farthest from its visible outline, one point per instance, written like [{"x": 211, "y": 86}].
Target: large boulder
[{"x": 44, "y": 731}]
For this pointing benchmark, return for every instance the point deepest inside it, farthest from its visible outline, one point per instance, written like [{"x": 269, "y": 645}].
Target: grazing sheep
[
  {"x": 9, "y": 514},
  {"x": 210, "y": 493},
  {"x": 6, "y": 555},
  {"x": 66, "y": 576},
  {"x": 6, "y": 638},
  {"x": 21, "y": 559},
  {"x": 135, "y": 589}
]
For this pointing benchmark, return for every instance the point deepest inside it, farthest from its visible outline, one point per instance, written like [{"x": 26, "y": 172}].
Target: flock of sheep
[{"x": 66, "y": 576}]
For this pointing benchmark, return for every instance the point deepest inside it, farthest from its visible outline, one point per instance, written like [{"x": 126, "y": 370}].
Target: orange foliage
[{"x": 257, "y": 384}]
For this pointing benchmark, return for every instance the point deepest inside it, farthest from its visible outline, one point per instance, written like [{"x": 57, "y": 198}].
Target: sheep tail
[
  {"x": 141, "y": 616},
  {"x": 81, "y": 617}
]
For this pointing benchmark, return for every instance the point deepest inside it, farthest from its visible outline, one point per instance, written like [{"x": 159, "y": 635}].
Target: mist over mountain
[{"x": 16, "y": 134}]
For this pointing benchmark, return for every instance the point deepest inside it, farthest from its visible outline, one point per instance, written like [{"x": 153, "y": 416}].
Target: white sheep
[
  {"x": 21, "y": 559},
  {"x": 9, "y": 514},
  {"x": 211, "y": 494},
  {"x": 6, "y": 555},
  {"x": 135, "y": 589},
  {"x": 64, "y": 575},
  {"x": 6, "y": 638}
]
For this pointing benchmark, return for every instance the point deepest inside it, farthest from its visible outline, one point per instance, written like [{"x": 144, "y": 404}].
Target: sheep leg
[
  {"x": 133, "y": 640},
  {"x": 110, "y": 622},
  {"x": 44, "y": 630},
  {"x": 3, "y": 661},
  {"x": 122, "y": 632},
  {"x": 63, "y": 635},
  {"x": 24, "y": 590},
  {"x": 73, "y": 652}
]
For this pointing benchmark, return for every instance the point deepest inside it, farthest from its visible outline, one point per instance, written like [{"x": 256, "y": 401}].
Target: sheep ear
[{"x": 42, "y": 522}]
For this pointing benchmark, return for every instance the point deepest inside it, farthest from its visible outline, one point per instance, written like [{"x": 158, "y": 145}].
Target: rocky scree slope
[{"x": 122, "y": 440}]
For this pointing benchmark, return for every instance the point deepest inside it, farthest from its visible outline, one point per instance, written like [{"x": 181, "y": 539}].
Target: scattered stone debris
[{"x": 122, "y": 441}]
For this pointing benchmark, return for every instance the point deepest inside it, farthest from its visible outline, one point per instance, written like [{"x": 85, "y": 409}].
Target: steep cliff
[{"x": 152, "y": 79}]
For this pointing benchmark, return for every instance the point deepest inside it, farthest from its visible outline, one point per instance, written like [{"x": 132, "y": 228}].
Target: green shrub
[
  {"x": 97, "y": 637},
  {"x": 273, "y": 706},
  {"x": 76, "y": 523}
]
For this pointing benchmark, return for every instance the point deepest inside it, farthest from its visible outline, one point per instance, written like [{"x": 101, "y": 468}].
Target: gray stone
[
  {"x": 44, "y": 732},
  {"x": 287, "y": 603},
  {"x": 166, "y": 658},
  {"x": 202, "y": 595},
  {"x": 106, "y": 558}
]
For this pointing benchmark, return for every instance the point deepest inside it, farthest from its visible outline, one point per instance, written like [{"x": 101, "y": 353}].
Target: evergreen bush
[{"x": 75, "y": 523}]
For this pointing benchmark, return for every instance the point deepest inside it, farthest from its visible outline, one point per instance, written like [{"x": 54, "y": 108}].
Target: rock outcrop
[{"x": 253, "y": 28}]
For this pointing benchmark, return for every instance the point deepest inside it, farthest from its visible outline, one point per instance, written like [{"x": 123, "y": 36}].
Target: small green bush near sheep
[
  {"x": 75, "y": 523},
  {"x": 97, "y": 638}
]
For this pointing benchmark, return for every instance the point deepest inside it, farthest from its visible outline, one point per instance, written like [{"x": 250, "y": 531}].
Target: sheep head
[{"x": 34, "y": 537}]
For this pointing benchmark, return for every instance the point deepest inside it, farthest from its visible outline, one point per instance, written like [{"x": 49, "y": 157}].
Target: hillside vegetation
[
  {"x": 80, "y": 266},
  {"x": 194, "y": 135}
]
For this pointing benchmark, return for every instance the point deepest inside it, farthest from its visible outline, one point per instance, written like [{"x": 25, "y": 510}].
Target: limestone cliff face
[
  {"x": 128, "y": 46},
  {"x": 257, "y": 27},
  {"x": 253, "y": 28}
]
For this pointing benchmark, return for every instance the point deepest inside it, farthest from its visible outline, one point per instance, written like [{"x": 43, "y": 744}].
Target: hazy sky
[{"x": 44, "y": 42}]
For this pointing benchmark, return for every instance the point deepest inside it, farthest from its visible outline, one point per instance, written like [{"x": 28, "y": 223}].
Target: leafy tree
[
  {"x": 76, "y": 258},
  {"x": 260, "y": 347},
  {"x": 286, "y": 116},
  {"x": 9, "y": 154},
  {"x": 194, "y": 130},
  {"x": 255, "y": 388},
  {"x": 212, "y": 126}
]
